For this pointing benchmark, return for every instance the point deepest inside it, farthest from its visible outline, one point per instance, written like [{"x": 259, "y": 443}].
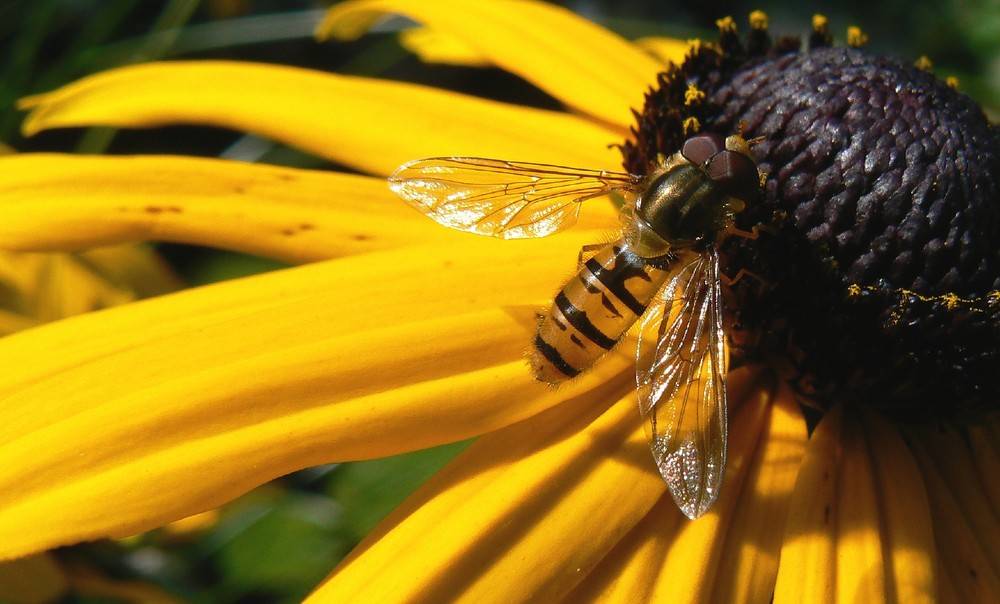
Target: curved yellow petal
[
  {"x": 701, "y": 544},
  {"x": 435, "y": 47},
  {"x": 859, "y": 526},
  {"x": 46, "y": 287},
  {"x": 748, "y": 559},
  {"x": 986, "y": 452},
  {"x": 667, "y": 50},
  {"x": 521, "y": 515},
  {"x": 41, "y": 287},
  {"x": 120, "y": 421},
  {"x": 583, "y": 65},
  {"x": 64, "y": 202},
  {"x": 966, "y": 523},
  {"x": 454, "y": 522},
  {"x": 736, "y": 549},
  {"x": 368, "y": 124},
  {"x": 629, "y": 573},
  {"x": 11, "y": 322},
  {"x": 136, "y": 267},
  {"x": 729, "y": 555},
  {"x": 68, "y": 287},
  {"x": 808, "y": 564}
]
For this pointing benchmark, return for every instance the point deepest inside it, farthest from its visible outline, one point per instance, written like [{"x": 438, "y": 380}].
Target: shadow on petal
[
  {"x": 859, "y": 525},
  {"x": 731, "y": 553}
]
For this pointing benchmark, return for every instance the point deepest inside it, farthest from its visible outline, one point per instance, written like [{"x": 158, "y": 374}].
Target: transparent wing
[
  {"x": 681, "y": 379},
  {"x": 507, "y": 199}
]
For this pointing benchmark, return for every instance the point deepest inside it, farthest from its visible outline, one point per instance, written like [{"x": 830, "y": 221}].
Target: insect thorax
[{"x": 684, "y": 206}]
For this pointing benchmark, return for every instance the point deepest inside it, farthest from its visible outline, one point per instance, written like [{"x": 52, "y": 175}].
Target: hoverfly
[{"x": 664, "y": 269}]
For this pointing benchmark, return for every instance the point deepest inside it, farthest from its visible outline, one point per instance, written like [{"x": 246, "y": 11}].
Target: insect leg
[
  {"x": 754, "y": 233},
  {"x": 730, "y": 281},
  {"x": 587, "y": 252}
]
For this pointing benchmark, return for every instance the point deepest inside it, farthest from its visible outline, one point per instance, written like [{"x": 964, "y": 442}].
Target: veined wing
[
  {"x": 507, "y": 199},
  {"x": 681, "y": 379}
]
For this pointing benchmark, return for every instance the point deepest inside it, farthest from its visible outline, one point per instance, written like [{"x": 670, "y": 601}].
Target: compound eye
[
  {"x": 734, "y": 173},
  {"x": 700, "y": 148}
]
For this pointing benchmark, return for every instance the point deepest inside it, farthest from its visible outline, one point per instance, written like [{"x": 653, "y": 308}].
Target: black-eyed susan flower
[{"x": 875, "y": 304}]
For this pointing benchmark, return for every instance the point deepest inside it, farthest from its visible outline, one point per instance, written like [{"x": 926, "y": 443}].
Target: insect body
[
  {"x": 664, "y": 269},
  {"x": 593, "y": 311}
]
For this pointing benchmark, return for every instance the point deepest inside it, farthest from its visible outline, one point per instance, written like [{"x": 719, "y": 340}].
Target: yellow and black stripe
[{"x": 593, "y": 311}]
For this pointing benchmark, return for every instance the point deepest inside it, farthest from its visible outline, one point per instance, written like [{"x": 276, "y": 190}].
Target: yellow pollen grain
[
  {"x": 693, "y": 96},
  {"x": 855, "y": 37},
  {"x": 758, "y": 20},
  {"x": 691, "y": 125},
  {"x": 952, "y": 82},
  {"x": 950, "y": 300},
  {"x": 820, "y": 24},
  {"x": 924, "y": 64},
  {"x": 726, "y": 25}
]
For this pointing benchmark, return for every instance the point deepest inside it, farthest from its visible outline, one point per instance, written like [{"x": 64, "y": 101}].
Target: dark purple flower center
[{"x": 880, "y": 281}]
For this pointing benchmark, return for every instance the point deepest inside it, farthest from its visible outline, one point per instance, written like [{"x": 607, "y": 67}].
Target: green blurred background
[{"x": 277, "y": 543}]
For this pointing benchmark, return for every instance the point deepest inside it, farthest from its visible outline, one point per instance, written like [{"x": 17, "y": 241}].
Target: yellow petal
[
  {"x": 120, "y": 421},
  {"x": 135, "y": 267},
  {"x": 986, "y": 453},
  {"x": 434, "y": 47},
  {"x": 629, "y": 573},
  {"x": 187, "y": 528},
  {"x": 521, "y": 515},
  {"x": 71, "y": 202},
  {"x": 731, "y": 553},
  {"x": 583, "y": 65},
  {"x": 737, "y": 549},
  {"x": 46, "y": 287},
  {"x": 906, "y": 533},
  {"x": 667, "y": 50},
  {"x": 70, "y": 288},
  {"x": 372, "y": 125},
  {"x": 966, "y": 524},
  {"x": 748, "y": 556},
  {"x": 11, "y": 322},
  {"x": 808, "y": 562},
  {"x": 698, "y": 545},
  {"x": 859, "y": 526},
  {"x": 58, "y": 202},
  {"x": 38, "y": 287},
  {"x": 860, "y": 566}
]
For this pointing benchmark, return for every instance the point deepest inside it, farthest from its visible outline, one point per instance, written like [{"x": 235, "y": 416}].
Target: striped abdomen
[{"x": 592, "y": 312}]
